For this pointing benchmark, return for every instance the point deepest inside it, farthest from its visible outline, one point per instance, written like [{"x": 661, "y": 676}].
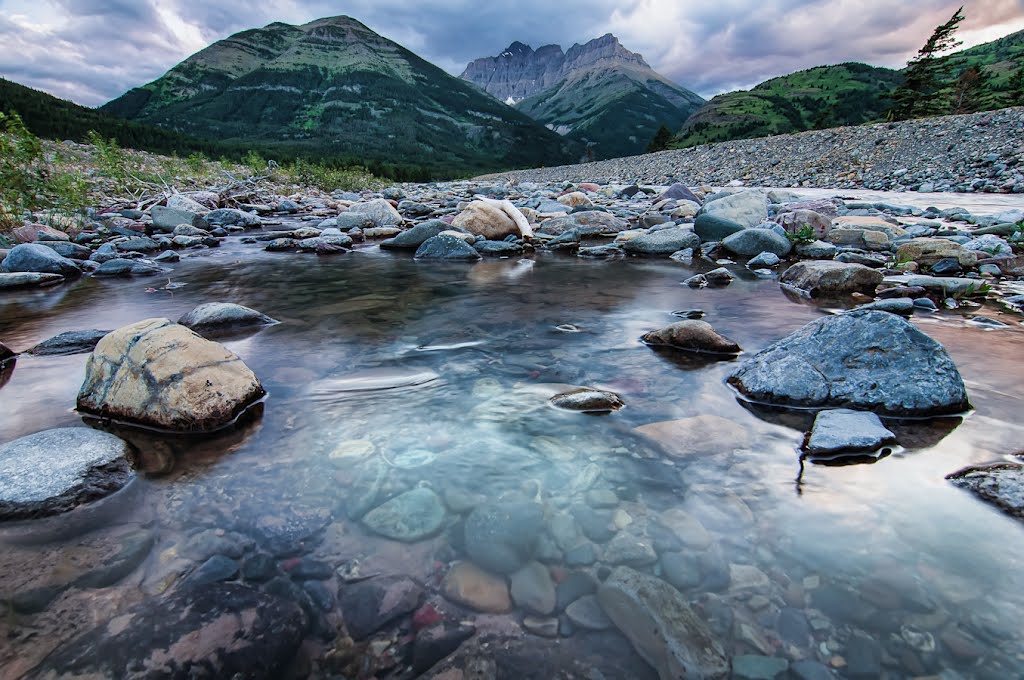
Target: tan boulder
[
  {"x": 487, "y": 220},
  {"x": 471, "y": 586},
  {"x": 160, "y": 374},
  {"x": 871, "y": 233},
  {"x": 575, "y": 200},
  {"x": 30, "y": 233},
  {"x": 694, "y": 336},
  {"x": 928, "y": 251}
]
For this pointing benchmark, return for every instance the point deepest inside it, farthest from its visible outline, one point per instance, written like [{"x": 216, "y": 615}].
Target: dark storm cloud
[{"x": 93, "y": 50}]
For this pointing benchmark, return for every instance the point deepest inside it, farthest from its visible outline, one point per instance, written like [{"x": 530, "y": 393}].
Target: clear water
[{"x": 445, "y": 371}]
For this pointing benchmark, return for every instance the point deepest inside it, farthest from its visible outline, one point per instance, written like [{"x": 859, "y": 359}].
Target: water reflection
[{"x": 386, "y": 374}]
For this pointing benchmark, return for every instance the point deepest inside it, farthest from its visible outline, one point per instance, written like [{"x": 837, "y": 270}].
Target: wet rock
[
  {"x": 586, "y": 613},
  {"x": 217, "y": 568},
  {"x": 719, "y": 277},
  {"x": 37, "y": 258},
  {"x": 138, "y": 244},
  {"x": 751, "y": 242},
  {"x": 542, "y": 626},
  {"x": 831, "y": 279},
  {"x": 72, "y": 342},
  {"x": 573, "y": 587},
  {"x": 259, "y": 568},
  {"x": 802, "y": 220},
  {"x": 206, "y": 544},
  {"x": 212, "y": 631},
  {"x": 587, "y": 400},
  {"x": 697, "y": 436},
  {"x": 168, "y": 256},
  {"x": 54, "y": 471},
  {"x": 597, "y": 525},
  {"x": 928, "y": 251},
  {"x": 629, "y": 550},
  {"x": 10, "y": 281},
  {"x": 841, "y": 430},
  {"x": 746, "y": 208},
  {"x": 809, "y": 669},
  {"x": 584, "y": 224},
  {"x": 900, "y": 306},
  {"x": 497, "y": 248},
  {"x": 1001, "y": 485},
  {"x": 72, "y": 251},
  {"x": 533, "y": 589},
  {"x": 763, "y": 260},
  {"x": 502, "y": 537},
  {"x": 30, "y": 233},
  {"x": 487, "y": 220},
  {"x": 819, "y": 250},
  {"x": 754, "y": 667},
  {"x": 711, "y": 228},
  {"x": 663, "y": 242},
  {"x": 677, "y": 192},
  {"x": 468, "y": 585},
  {"x": 230, "y": 217},
  {"x": 166, "y": 219},
  {"x": 159, "y": 374},
  {"x": 682, "y": 570},
  {"x": 663, "y": 629},
  {"x": 368, "y": 606},
  {"x": 446, "y": 247},
  {"x": 214, "y": 318},
  {"x": 378, "y": 211},
  {"x": 409, "y": 517},
  {"x": 692, "y": 336},
  {"x": 436, "y": 642},
  {"x": 863, "y": 658},
  {"x": 121, "y": 267},
  {"x": 413, "y": 238},
  {"x": 583, "y": 555},
  {"x": 864, "y": 360},
  {"x": 793, "y": 626}
]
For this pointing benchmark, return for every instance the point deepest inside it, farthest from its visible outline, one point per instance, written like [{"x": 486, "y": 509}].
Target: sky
[{"x": 91, "y": 51}]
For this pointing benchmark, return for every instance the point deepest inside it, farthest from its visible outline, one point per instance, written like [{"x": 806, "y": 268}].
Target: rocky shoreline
[
  {"x": 456, "y": 579},
  {"x": 980, "y": 152}
]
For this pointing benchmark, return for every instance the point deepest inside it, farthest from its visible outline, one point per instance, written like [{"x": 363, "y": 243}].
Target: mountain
[
  {"x": 816, "y": 98},
  {"x": 844, "y": 94},
  {"x": 47, "y": 116},
  {"x": 599, "y": 93},
  {"x": 335, "y": 87}
]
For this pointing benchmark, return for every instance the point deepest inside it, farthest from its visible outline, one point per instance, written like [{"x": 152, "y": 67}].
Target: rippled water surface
[{"x": 386, "y": 374}]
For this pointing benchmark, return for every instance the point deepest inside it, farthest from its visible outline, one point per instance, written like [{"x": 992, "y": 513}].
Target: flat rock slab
[
  {"x": 72, "y": 342},
  {"x": 1001, "y": 485},
  {"x": 864, "y": 360},
  {"x": 53, "y": 471},
  {"x": 9, "y": 281},
  {"x": 211, "y": 631},
  {"x": 662, "y": 627},
  {"x": 841, "y": 430}
]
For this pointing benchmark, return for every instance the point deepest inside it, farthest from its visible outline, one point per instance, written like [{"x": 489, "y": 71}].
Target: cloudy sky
[{"x": 91, "y": 51}]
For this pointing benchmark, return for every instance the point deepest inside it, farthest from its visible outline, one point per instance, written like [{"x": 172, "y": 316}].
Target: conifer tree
[
  {"x": 968, "y": 90},
  {"x": 662, "y": 138},
  {"x": 1015, "y": 88},
  {"x": 915, "y": 97}
]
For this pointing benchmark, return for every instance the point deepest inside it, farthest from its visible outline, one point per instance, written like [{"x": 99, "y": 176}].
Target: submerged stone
[
  {"x": 54, "y": 471},
  {"x": 502, "y": 537},
  {"x": 693, "y": 336},
  {"x": 587, "y": 400},
  {"x": 409, "y": 517}
]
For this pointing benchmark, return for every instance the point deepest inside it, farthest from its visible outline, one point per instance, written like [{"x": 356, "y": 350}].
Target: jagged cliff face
[
  {"x": 599, "y": 93},
  {"x": 336, "y": 87}
]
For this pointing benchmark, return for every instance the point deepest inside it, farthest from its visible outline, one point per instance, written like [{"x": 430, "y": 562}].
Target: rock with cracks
[
  {"x": 865, "y": 360},
  {"x": 158, "y": 374}
]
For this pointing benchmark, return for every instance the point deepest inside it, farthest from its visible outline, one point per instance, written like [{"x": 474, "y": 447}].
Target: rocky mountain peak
[{"x": 606, "y": 50}]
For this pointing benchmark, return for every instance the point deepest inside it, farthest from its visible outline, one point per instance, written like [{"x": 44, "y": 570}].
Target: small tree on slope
[
  {"x": 915, "y": 97},
  {"x": 661, "y": 140}
]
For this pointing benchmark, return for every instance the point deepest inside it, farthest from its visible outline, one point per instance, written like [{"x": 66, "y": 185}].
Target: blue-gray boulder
[
  {"x": 865, "y": 360},
  {"x": 411, "y": 239},
  {"x": 502, "y": 537},
  {"x": 662, "y": 242},
  {"x": 230, "y": 217},
  {"x": 715, "y": 228},
  {"x": 33, "y": 257},
  {"x": 446, "y": 247},
  {"x": 750, "y": 242}
]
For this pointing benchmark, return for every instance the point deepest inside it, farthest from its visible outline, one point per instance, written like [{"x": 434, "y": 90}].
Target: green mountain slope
[
  {"x": 845, "y": 94},
  {"x": 817, "y": 98},
  {"x": 47, "y": 116},
  {"x": 615, "y": 111},
  {"x": 336, "y": 87}
]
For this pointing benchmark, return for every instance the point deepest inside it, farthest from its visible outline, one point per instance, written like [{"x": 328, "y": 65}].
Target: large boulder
[
  {"x": 166, "y": 219},
  {"x": 715, "y": 228},
  {"x": 70, "y": 342},
  {"x": 215, "y": 318},
  {"x": 662, "y": 627},
  {"x": 827, "y": 278},
  {"x": 663, "y": 242},
  {"x": 33, "y": 257},
  {"x": 54, "y": 471},
  {"x": 746, "y": 208},
  {"x": 378, "y": 211},
  {"x": 1000, "y": 484},
  {"x": 502, "y": 537},
  {"x": 803, "y": 220},
  {"x": 411, "y": 239},
  {"x": 928, "y": 251},
  {"x": 200, "y": 633},
  {"x": 865, "y": 360},
  {"x": 446, "y": 247},
  {"x": 30, "y": 233},
  {"x": 586, "y": 223},
  {"x": 183, "y": 202},
  {"x": 159, "y": 374},
  {"x": 487, "y": 220},
  {"x": 677, "y": 192},
  {"x": 750, "y": 242},
  {"x": 231, "y": 217}
]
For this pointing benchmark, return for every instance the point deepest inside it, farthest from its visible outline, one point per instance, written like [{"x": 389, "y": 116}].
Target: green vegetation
[
  {"x": 813, "y": 99},
  {"x": 917, "y": 94},
  {"x": 29, "y": 182},
  {"x": 662, "y": 138},
  {"x": 803, "y": 236}
]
